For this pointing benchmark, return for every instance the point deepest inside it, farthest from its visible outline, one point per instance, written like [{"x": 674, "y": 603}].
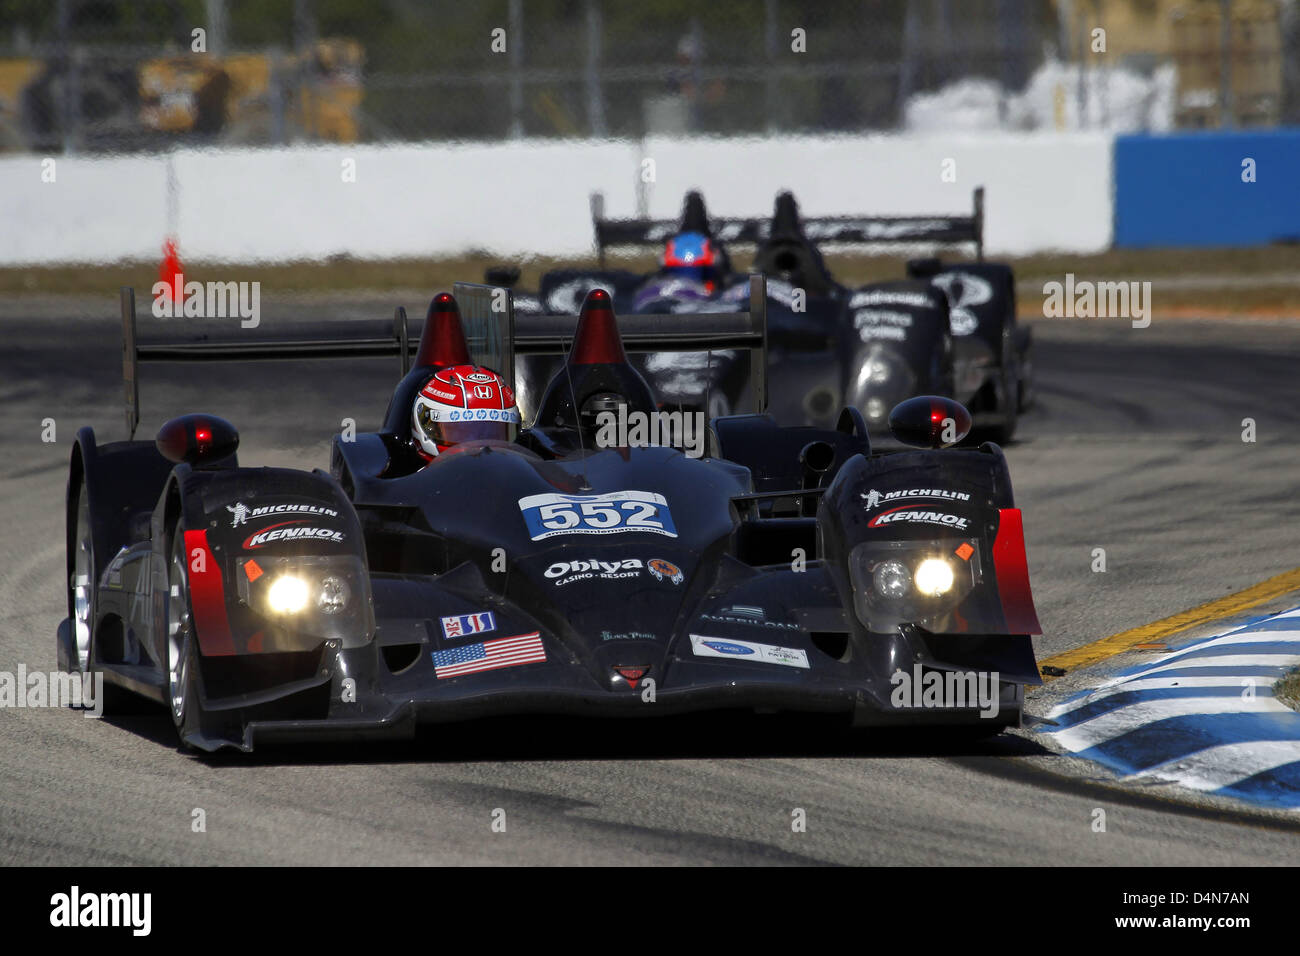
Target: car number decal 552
[{"x": 613, "y": 513}]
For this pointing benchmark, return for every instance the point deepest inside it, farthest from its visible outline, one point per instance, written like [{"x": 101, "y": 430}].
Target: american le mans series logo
[{"x": 749, "y": 650}]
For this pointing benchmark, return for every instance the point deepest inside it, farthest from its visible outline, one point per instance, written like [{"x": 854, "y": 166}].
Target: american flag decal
[{"x": 490, "y": 655}]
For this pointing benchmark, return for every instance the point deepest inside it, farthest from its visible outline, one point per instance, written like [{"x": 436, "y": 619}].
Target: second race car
[{"x": 947, "y": 329}]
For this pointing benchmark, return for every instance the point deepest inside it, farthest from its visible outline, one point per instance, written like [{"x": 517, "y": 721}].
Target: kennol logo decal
[
  {"x": 911, "y": 514},
  {"x": 290, "y": 531}
]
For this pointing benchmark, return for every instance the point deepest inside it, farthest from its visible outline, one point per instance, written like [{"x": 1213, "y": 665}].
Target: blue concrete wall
[{"x": 1186, "y": 189}]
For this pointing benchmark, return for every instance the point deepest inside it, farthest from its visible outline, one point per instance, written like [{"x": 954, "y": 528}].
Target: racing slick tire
[
  {"x": 183, "y": 702},
  {"x": 1004, "y": 431},
  {"x": 83, "y": 582}
]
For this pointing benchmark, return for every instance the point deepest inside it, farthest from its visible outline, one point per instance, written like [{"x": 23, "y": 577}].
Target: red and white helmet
[{"x": 459, "y": 404}]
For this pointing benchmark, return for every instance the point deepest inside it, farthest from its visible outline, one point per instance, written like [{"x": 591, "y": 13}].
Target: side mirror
[
  {"x": 930, "y": 421},
  {"x": 197, "y": 439}
]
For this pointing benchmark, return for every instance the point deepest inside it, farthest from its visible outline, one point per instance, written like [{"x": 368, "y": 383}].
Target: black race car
[
  {"x": 947, "y": 329},
  {"x": 787, "y": 568}
]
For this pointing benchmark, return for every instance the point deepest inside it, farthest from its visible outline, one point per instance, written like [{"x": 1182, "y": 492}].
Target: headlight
[
  {"x": 295, "y": 600},
  {"x": 876, "y": 371},
  {"x": 892, "y": 579},
  {"x": 917, "y": 582},
  {"x": 933, "y": 577},
  {"x": 287, "y": 595},
  {"x": 334, "y": 594}
]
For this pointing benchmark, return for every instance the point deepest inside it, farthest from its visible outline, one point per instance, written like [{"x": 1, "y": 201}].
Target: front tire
[{"x": 182, "y": 650}]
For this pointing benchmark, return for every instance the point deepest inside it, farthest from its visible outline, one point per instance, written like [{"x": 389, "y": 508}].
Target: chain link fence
[{"x": 128, "y": 75}]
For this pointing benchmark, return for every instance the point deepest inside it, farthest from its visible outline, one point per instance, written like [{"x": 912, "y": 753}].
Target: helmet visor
[
  {"x": 451, "y": 433},
  {"x": 698, "y": 273}
]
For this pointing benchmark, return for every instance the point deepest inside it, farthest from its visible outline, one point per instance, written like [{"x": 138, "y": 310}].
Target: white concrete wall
[
  {"x": 1043, "y": 192},
  {"x": 95, "y": 210}
]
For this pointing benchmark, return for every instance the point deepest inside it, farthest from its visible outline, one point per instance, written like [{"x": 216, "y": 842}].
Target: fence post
[
  {"x": 515, "y": 44},
  {"x": 769, "y": 78},
  {"x": 1226, "y": 106},
  {"x": 595, "y": 94}
]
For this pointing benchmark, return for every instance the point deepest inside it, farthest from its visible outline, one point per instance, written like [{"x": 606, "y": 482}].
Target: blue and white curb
[{"x": 1202, "y": 716}]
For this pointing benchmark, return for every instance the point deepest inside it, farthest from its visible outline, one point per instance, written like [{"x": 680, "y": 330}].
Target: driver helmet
[
  {"x": 460, "y": 404},
  {"x": 691, "y": 255}
]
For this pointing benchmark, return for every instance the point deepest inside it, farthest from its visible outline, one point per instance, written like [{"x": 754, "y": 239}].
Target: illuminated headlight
[
  {"x": 933, "y": 577},
  {"x": 876, "y": 371},
  {"x": 892, "y": 579},
  {"x": 876, "y": 409},
  {"x": 333, "y": 596},
  {"x": 920, "y": 582},
  {"x": 295, "y": 600},
  {"x": 287, "y": 595}
]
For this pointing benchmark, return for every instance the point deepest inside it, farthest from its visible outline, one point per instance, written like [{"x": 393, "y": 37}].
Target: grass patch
[
  {"x": 1265, "y": 270},
  {"x": 1287, "y": 690}
]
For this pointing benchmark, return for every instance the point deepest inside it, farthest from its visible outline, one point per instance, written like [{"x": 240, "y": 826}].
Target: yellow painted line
[{"x": 1158, "y": 630}]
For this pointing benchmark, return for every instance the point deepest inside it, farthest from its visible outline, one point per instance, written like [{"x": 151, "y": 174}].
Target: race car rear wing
[
  {"x": 383, "y": 338},
  {"x": 496, "y": 335},
  {"x": 822, "y": 230}
]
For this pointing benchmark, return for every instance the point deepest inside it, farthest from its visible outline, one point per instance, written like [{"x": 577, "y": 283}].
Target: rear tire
[
  {"x": 82, "y": 581},
  {"x": 1010, "y": 398},
  {"x": 1025, "y": 378},
  {"x": 83, "y": 584}
]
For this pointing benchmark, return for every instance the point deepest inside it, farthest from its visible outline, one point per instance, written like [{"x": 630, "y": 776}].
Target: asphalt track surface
[{"x": 1135, "y": 447}]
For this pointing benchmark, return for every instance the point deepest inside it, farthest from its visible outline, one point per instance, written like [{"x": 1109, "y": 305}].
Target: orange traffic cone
[{"x": 170, "y": 269}]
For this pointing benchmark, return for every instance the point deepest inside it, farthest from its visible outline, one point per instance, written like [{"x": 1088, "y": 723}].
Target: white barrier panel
[
  {"x": 407, "y": 201},
  {"x": 1043, "y": 192},
  {"x": 95, "y": 210}
]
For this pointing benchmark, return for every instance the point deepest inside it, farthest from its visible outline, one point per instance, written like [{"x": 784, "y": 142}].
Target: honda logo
[{"x": 483, "y": 391}]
